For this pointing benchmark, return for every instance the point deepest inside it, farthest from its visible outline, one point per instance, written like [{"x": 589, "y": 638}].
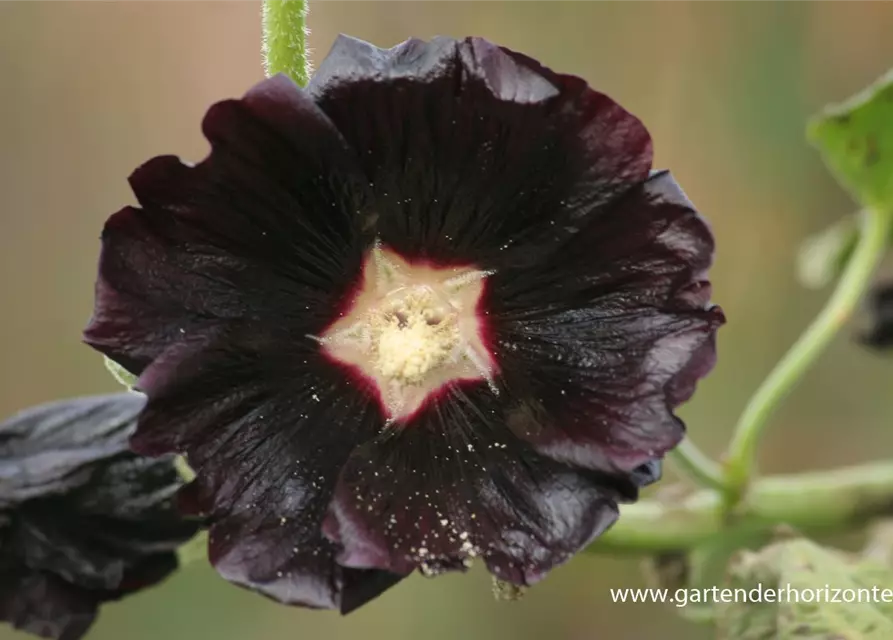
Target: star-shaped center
[{"x": 412, "y": 330}]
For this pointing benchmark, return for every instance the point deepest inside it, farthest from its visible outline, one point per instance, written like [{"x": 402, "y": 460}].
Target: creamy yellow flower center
[
  {"x": 412, "y": 329},
  {"x": 413, "y": 334}
]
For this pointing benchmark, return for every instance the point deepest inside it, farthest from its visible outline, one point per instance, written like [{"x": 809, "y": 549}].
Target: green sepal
[{"x": 119, "y": 373}]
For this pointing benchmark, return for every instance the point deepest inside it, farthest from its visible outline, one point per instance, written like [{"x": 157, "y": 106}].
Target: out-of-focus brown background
[{"x": 92, "y": 89}]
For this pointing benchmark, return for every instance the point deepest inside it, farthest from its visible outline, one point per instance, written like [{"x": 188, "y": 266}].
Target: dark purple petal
[
  {"x": 290, "y": 562},
  {"x": 246, "y": 254},
  {"x": 45, "y": 605},
  {"x": 455, "y": 484},
  {"x": 359, "y": 586},
  {"x": 42, "y": 603},
  {"x": 449, "y": 152},
  {"x": 93, "y": 535},
  {"x": 266, "y": 442},
  {"x": 477, "y": 154},
  {"x": 648, "y": 473},
  {"x": 600, "y": 359},
  {"x": 82, "y": 519},
  {"x": 880, "y": 334},
  {"x": 50, "y": 449},
  {"x": 266, "y": 226}
]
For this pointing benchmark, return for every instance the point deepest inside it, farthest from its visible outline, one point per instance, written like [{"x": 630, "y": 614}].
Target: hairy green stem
[
  {"x": 857, "y": 276},
  {"x": 285, "y": 39},
  {"x": 818, "y": 502},
  {"x": 698, "y": 466}
]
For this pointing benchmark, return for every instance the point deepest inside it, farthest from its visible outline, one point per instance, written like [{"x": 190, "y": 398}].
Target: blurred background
[{"x": 92, "y": 89}]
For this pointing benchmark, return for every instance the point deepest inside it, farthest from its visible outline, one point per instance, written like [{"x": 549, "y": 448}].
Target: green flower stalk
[{"x": 285, "y": 39}]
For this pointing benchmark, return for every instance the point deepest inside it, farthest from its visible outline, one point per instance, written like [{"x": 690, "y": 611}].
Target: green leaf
[
  {"x": 879, "y": 543},
  {"x": 824, "y": 256},
  {"x": 195, "y": 549},
  {"x": 122, "y": 375},
  {"x": 856, "y": 141},
  {"x": 813, "y": 585}
]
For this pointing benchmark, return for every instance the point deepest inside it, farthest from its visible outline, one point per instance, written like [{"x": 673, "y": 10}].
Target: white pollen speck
[{"x": 444, "y": 522}]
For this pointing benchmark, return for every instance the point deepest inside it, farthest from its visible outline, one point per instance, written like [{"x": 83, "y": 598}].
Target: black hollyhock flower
[
  {"x": 82, "y": 519},
  {"x": 434, "y": 307},
  {"x": 880, "y": 334}
]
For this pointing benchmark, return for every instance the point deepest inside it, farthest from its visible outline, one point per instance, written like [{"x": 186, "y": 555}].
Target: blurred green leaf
[
  {"x": 195, "y": 549},
  {"x": 879, "y": 543},
  {"x": 673, "y": 571},
  {"x": 122, "y": 375},
  {"x": 812, "y": 585},
  {"x": 856, "y": 141},
  {"x": 824, "y": 255},
  {"x": 700, "y": 569}
]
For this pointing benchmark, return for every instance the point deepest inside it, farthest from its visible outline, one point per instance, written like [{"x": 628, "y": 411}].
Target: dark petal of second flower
[
  {"x": 266, "y": 440},
  {"x": 49, "y": 449},
  {"x": 84, "y": 520},
  {"x": 266, "y": 226},
  {"x": 880, "y": 335},
  {"x": 122, "y": 518},
  {"x": 602, "y": 357},
  {"x": 477, "y": 154},
  {"x": 45, "y": 605},
  {"x": 648, "y": 473},
  {"x": 454, "y": 484}
]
